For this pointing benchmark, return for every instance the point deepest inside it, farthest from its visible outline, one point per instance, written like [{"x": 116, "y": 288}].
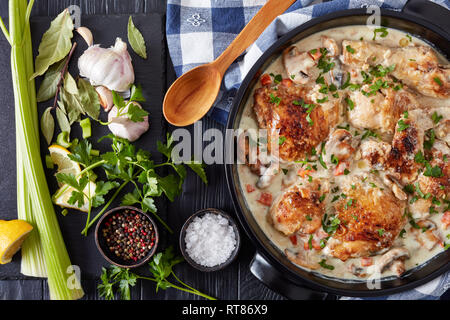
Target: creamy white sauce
[{"x": 419, "y": 255}]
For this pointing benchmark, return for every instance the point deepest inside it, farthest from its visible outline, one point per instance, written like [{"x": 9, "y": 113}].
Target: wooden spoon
[{"x": 192, "y": 95}]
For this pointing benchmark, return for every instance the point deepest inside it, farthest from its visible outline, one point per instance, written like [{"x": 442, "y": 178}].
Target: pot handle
[
  {"x": 429, "y": 11},
  {"x": 273, "y": 279}
]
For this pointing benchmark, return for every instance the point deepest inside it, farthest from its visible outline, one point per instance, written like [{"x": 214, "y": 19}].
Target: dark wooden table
[{"x": 235, "y": 282}]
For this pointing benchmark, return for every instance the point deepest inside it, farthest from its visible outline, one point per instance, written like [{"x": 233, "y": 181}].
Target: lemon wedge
[
  {"x": 59, "y": 156},
  {"x": 12, "y": 234},
  {"x": 63, "y": 195}
]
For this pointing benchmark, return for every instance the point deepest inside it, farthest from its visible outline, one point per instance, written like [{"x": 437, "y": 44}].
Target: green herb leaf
[
  {"x": 61, "y": 117},
  {"x": 89, "y": 99},
  {"x": 136, "y": 39},
  {"x": 47, "y": 90},
  {"x": 135, "y": 113},
  {"x": 55, "y": 44},
  {"x": 48, "y": 125},
  {"x": 323, "y": 264}
]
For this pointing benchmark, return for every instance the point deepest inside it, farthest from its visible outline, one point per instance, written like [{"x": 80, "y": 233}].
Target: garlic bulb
[
  {"x": 109, "y": 67},
  {"x": 123, "y": 127}
]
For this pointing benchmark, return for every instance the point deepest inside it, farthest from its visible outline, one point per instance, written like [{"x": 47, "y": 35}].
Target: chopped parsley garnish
[
  {"x": 330, "y": 225},
  {"x": 322, "y": 197},
  {"x": 323, "y": 264},
  {"x": 373, "y": 185},
  {"x": 381, "y": 232},
  {"x": 346, "y": 171},
  {"x": 382, "y": 31},
  {"x": 436, "y": 117},
  {"x": 350, "y": 103},
  {"x": 275, "y": 99},
  {"x": 369, "y": 133},
  {"x": 335, "y": 198},
  {"x": 334, "y": 160},
  {"x": 438, "y": 81},
  {"x": 292, "y": 76},
  {"x": 350, "y": 49},
  {"x": 276, "y": 78},
  {"x": 310, "y": 242},
  {"x": 435, "y": 172},
  {"x": 323, "y": 100},
  {"x": 379, "y": 71},
  {"x": 322, "y": 162},
  {"x": 405, "y": 114},
  {"x": 402, "y": 233},
  {"x": 428, "y": 144},
  {"x": 402, "y": 125},
  {"x": 419, "y": 157},
  {"x": 409, "y": 188},
  {"x": 308, "y": 217},
  {"x": 281, "y": 140}
]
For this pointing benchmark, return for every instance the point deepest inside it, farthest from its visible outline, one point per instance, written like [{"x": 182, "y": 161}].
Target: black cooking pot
[{"x": 427, "y": 21}]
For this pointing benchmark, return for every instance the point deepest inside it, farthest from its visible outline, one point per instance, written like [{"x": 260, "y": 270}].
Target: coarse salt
[{"x": 210, "y": 240}]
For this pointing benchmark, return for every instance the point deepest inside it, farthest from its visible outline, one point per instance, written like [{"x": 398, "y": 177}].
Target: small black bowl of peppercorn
[{"x": 126, "y": 237}]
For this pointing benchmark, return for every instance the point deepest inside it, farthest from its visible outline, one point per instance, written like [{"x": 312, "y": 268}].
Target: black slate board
[{"x": 149, "y": 73}]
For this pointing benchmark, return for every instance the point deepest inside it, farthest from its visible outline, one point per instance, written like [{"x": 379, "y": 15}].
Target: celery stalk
[
  {"x": 33, "y": 262},
  {"x": 61, "y": 285}
]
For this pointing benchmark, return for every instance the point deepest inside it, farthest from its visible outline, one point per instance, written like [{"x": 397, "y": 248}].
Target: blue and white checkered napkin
[{"x": 198, "y": 31}]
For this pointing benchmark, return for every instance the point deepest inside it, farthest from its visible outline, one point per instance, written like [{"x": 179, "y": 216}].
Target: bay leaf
[
  {"x": 47, "y": 90},
  {"x": 63, "y": 122},
  {"x": 136, "y": 39},
  {"x": 89, "y": 98},
  {"x": 72, "y": 105},
  {"x": 55, "y": 44},
  {"x": 69, "y": 84},
  {"x": 48, "y": 125}
]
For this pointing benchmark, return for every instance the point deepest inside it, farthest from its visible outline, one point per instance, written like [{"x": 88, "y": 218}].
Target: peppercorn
[{"x": 130, "y": 235}]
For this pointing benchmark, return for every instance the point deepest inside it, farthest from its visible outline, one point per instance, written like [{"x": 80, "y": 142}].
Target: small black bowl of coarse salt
[
  {"x": 209, "y": 240},
  {"x": 126, "y": 237}
]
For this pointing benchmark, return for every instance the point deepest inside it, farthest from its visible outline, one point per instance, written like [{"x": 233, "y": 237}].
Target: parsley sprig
[
  {"x": 118, "y": 281},
  {"x": 126, "y": 165}
]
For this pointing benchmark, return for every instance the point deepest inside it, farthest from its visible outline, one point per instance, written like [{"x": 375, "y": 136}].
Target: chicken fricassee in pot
[{"x": 359, "y": 185}]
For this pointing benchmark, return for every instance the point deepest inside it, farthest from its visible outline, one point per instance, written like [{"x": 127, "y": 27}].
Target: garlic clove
[
  {"x": 123, "y": 127},
  {"x": 106, "y": 98},
  {"x": 109, "y": 67},
  {"x": 86, "y": 34}
]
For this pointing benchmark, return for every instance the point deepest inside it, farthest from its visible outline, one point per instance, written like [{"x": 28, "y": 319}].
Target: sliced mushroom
[
  {"x": 302, "y": 258},
  {"x": 395, "y": 186},
  {"x": 389, "y": 257},
  {"x": 357, "y": 271},
  {"x": 267, "y": 175},
  {"x": 331, "y": 45},
  {"x": 300, "y": 66},
  {"x": 398, "y": 267},
  {"x": 428, "y": 235},
  {"x": 340, "y": 145}
]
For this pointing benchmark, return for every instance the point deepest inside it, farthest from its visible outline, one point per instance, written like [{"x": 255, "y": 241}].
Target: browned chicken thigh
[
  {"x": 296, "y": 124},
  {"x": 370, "y": 219},
  {"x": 416, "y": 66},
  {"x": 298, "y": 209}
]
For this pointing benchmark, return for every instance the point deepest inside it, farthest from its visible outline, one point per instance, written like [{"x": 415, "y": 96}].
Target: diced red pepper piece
[
  {"x": 293, "y": 239},
  {"x": 266, "y": 79},
  {"x": 265, "y": 198},
  {"x": 250, "y": 188},
  {"x": 287, "y": 82}
]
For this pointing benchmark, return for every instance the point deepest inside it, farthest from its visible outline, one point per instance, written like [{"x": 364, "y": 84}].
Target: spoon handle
[{"x": 251, "y": 32}]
